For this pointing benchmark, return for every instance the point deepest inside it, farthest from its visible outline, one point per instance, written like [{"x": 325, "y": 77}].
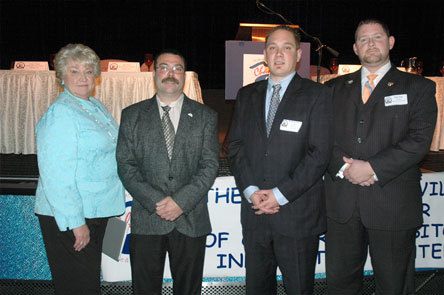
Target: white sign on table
[
  {"x": 123, "y": 67},
  {"x": 31, "y": 65},
  {"x": 347, "y": 69}
]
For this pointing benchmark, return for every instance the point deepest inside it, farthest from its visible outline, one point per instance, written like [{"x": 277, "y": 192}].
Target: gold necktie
[{"x": 368, "y": 87}]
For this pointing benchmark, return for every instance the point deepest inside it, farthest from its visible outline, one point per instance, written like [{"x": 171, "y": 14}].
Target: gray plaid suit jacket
[{"x": 149, "y": 176}]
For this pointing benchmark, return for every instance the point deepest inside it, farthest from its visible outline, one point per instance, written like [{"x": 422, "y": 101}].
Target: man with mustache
[
  {"x": 279, "y": 146},
  {"x": 167, "y": 154},
  {"x": 384, "y": 123}
]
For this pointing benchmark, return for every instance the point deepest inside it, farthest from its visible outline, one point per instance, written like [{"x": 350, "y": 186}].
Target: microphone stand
[{"x": 318, "y": 42}]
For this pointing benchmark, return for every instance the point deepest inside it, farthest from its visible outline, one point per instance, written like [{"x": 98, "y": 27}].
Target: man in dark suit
[
  {"x": 279, "y": 146},
  {"x": 167, "y": 155},
  {"x": 384, "y": 122}
]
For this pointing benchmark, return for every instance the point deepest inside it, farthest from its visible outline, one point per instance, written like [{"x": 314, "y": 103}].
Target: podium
[{"x": 256, "y": 32}]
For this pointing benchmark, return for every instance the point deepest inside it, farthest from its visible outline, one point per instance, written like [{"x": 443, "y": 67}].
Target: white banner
[
  {"x": 430, "y": 237},
  {"x": 225, "y": 258}
]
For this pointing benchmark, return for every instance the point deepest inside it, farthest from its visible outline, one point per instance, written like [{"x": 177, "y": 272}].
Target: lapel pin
[
  {"x": 190, "y": 114},
  {"x": 350, "y": 81},
  {"x": 389, "y": 84}
]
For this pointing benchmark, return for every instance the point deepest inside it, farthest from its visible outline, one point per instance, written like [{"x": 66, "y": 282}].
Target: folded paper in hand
[{"x": 114, "y": 238}]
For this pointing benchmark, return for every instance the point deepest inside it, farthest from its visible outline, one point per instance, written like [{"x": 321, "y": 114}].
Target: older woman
[{"x": 78, "y": 188}]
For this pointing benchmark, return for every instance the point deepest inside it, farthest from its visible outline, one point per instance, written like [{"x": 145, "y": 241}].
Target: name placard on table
[
  {"x": 347, "y": 69},
  {"x": 123, "y": 67},
  {"x": 31, "y": 65}
]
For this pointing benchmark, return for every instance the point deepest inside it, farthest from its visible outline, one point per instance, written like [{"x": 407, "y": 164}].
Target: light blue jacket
[{"x": 76, "y": 145}]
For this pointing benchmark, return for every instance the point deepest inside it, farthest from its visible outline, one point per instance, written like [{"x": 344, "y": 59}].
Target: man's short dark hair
[
  {"x": 170, "y": 51},
  {"x": 285, "y": 28},
  {"x": 372, "y": 21}
]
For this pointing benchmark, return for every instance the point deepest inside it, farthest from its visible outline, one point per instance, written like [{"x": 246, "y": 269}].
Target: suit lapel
[
  {"x": 185, "y": 125},
  {"x": 152, "y": 124},
  {"x": 353, "y": 86},
  {"x": 385, "y": 87},
  {"x": 258, "y": 107},
  {"x": 291, "y": 94}
]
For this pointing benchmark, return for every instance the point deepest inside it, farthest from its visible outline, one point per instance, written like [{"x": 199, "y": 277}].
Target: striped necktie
[
  {"x": 274, "y": 104},
  {"x": 368, "y": 87},
  {"x": 168, "y": 130}
]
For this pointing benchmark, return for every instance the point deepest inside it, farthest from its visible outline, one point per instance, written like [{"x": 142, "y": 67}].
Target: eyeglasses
[
  {"x": 374, "y": 38},
  {"x": 177, "y": 69}
]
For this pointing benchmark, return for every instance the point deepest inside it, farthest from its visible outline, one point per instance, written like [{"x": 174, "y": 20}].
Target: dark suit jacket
[
  {"x": 292, "y": 161},
  {"x": 148, "y": 175},
  {"x": 393, "y": 138}
]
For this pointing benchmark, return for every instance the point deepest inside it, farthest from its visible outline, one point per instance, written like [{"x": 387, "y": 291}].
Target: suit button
[
  {"x": 359, "y": 140},
  {"x": 361, "y": 122},
  {"x": 266, "y": 154},
  {"x": 170, "y": 178}
]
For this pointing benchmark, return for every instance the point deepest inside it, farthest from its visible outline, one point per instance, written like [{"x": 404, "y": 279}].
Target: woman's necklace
[{"x": 105, "y": 127}]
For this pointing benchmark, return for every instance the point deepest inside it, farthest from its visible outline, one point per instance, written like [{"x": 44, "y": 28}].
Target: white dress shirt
[{"x": 176, "y": 108}]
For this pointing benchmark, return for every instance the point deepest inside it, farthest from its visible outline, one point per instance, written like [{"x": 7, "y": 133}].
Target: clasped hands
[
  {"x": 264, "y": 202},
  {"x": 168, "y": 209},
  {"x": 359, "y": 172}
]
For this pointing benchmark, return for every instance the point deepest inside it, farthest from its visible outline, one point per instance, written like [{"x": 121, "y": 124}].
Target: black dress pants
[
  {"x": 392, "y": 255},
  {"x": 186, "y": 256},
  {"x": 266, "y": 250},
  {"x": 73, "y": 272}
]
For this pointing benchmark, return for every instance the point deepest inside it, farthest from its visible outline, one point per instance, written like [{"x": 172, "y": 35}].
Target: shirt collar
[
  {"x": 380, "y": 72},
  {"x": 176, "y": 103},
  {"x": 284, "y": 82}
]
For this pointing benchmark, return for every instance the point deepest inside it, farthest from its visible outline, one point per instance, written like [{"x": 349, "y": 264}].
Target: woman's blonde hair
[{"x": 75, "y": 52}]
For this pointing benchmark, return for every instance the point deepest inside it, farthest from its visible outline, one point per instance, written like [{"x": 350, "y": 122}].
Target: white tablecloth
[
  {"x": 438, "y": 136},
  {"x": 25, "y": 96}
]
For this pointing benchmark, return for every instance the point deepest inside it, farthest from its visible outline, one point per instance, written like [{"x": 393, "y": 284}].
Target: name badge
[
  {"x": 290, "y": 125},
  {"x": 396, "y": 100}
]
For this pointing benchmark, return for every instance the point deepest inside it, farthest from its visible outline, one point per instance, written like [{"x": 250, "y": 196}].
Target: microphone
[
  {"x": 262, "y": 7},
  {"x": 259, "y": 3},
  {"x": 332, "y": 51}
]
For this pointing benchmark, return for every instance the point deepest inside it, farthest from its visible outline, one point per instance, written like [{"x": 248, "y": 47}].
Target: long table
[
  {"x": 26, "y": 95},
  {"x": 438, "y": 136}
]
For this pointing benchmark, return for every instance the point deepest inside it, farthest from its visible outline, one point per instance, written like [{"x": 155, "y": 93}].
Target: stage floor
[{"x": 426, "y": 283}]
